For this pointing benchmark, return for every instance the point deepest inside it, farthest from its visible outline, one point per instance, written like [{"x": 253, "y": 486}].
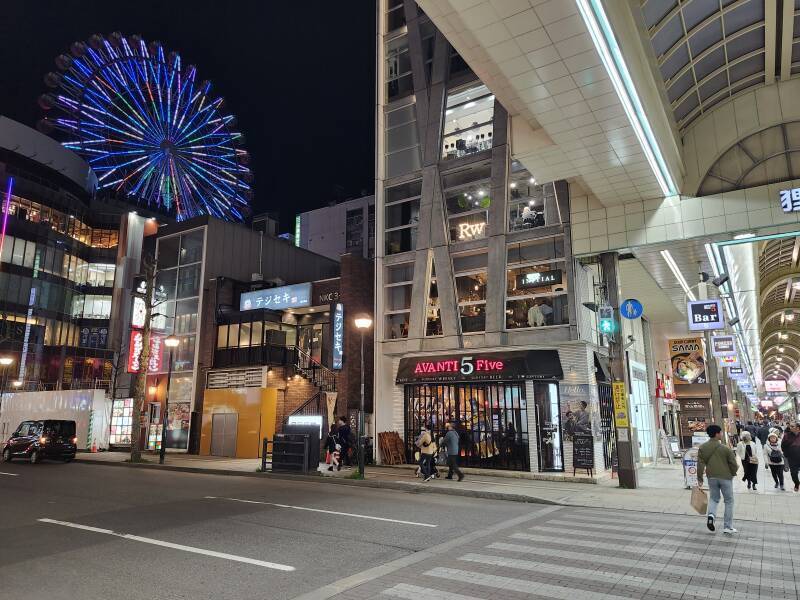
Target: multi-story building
[
  {"x": 59, "y": 250},
  {"x": 476, "y": 286},
  {"x": 344, "y": 228},
  {"x": 264, "y": 329}
]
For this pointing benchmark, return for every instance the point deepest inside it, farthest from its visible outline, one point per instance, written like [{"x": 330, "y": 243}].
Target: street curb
[{"x": 386, "y": 485}]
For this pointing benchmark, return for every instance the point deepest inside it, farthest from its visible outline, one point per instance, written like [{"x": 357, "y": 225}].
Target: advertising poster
[
  {"x": 577, "y": 414},
  {"x": 178, "y": 417},
  {"x": 687, "y": 356}
]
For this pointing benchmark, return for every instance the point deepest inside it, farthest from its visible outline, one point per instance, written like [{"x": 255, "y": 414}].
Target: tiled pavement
[{"x": 574, "y": 553}]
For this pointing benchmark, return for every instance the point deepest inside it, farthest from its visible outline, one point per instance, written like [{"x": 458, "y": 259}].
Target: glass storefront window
[
  {"x": 402, "y": 215},
  {"x": 433, "y": 313},
  {"x": 398, "y": 69},
  {"x": 402, "y": 141},
  {"x": 188, "y": 281},
  {"x": 184, "y": 354},
  {"x": 468, "y": 122},
  {"x": 395, "y": 15},
  {"x": 536, "y": 295},
  {"x": 192, "y": 247},
  {"x": 400, "y": 273},
  {"x": 401, "y": 240},
  {"x": 398, "y": 297},
  {"x": 467, "y": 200},
  {"x": 491, "y": 420},
  {"x": 121, "y": 421},
  {"x": 397, "y": 325},
  {"x": 471, "y": 296},
  {"x": 168, "y": 252},
  {"x": 526, "y": 201}
]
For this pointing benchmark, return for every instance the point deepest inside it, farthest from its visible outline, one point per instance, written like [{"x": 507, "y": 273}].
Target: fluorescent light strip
[
  {"x": 678, "y": 275},
  {"x": 600, "y": 29},
  {"x": 712, "y": 259}
]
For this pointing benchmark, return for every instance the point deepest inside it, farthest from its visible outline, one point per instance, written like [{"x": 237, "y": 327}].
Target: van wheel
[
  {"x": 68, "y": 459},
  {"x": 35, "y": 457},
  {"x": 7, "y": 455}
]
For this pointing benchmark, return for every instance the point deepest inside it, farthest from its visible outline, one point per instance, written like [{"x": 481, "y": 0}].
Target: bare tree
[{"x": 140, "y": 387}]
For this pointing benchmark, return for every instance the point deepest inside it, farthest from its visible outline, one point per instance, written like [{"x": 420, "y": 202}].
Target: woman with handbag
[
  {"x": 746, "y": 451},
  {"x": 773, "y": 456}
]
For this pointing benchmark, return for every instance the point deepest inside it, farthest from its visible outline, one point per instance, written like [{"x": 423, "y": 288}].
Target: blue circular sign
[{"x": 631, "y": 309}]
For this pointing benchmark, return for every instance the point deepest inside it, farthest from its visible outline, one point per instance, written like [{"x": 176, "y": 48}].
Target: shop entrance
[
  {"x": 223, "y": 434},
  {"x": 309, "y": 340},
  {"x": 548, "y": 424},
  {"x": 491, "y": 420}
]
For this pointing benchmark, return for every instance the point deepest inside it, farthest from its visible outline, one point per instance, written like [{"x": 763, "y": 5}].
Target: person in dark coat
[
  {"x": 752, "y": 429},
  {"x": 345, "y": 440},
  {"x": 763, "y": 433},
  {"x": 790, "y": 445},
  {"x": 452, "y": 446}
]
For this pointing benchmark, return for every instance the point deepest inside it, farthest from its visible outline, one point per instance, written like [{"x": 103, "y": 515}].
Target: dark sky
[{"x": 298, "y": 74}]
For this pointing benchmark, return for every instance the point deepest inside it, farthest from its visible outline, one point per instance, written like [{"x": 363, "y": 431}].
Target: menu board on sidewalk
[{"x": 582, "y": 451}]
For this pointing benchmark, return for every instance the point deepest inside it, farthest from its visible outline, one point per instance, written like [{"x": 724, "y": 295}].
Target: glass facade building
[{"x": 473, "y": 260}]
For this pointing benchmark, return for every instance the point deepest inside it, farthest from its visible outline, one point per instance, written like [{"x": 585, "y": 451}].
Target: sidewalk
[{"x": 661, "y": 487}]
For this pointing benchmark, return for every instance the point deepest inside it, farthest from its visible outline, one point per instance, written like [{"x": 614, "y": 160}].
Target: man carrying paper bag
[{"x": 719, "y": 461}]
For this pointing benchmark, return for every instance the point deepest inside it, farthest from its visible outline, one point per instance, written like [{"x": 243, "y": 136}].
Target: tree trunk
[{"x": 140, "y": 389}]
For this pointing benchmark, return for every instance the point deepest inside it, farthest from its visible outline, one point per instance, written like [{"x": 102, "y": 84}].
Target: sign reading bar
[
  {"x": 705, "y": 314},
  {"x": 774, "y": 385},
  {"x": 790, "y": 200},
  {"x": 723, "y": 345},
  {"x": 277, "y": 298},
  {"x": 620, "y": 404},
  {"x": 338, "y": 336},
  {"x": 537, "y": 279},
  {"x": 481, "y": 366}
]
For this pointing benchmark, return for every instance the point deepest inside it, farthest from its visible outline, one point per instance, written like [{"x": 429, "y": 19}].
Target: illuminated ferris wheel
[{"x": 148, "y": 128}]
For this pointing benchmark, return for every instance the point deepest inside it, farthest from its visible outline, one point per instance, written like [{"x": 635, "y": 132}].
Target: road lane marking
[
  {"x": 319, "y": 510},
  {"x": 10, "y": 474},
  {"x": 192, "y": 549}
]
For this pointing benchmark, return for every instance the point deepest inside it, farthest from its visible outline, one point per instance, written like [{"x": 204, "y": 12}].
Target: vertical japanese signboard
[
  {"x": 620, "y": 404},
  {"x": 338, "y": 335}
]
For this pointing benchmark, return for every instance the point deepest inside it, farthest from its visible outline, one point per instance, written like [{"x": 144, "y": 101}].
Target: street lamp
[
  {"x": 362, "y": 322},
  {"x": 170, "y": 342}
]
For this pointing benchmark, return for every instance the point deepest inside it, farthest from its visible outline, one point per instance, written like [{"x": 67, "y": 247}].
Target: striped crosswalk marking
[{"x": 415, "y": 592}]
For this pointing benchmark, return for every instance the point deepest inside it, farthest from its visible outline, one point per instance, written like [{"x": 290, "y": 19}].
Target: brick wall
[{"x": 357, "y": 295}]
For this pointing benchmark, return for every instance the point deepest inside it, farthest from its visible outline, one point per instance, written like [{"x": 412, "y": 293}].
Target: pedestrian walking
[
  {"x": 333, "y": 447},
  {"x": 427, "y": 448},
  {"x": 717, "y": 461},
  {"x": 345, "y": 435},
  {"x": 763, "y": 432},
  {"x": 790, "y": 445},
  {"x": 451, "y": 444},
  {"x": 746, "y": 451},
  {"x": 773, "y": 458}
]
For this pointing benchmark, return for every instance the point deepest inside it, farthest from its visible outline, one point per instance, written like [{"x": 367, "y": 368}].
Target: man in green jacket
[{"x": 719, "y": 461}]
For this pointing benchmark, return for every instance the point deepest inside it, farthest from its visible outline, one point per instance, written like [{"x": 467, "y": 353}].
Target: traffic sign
[{"x": 631, "y": 309}]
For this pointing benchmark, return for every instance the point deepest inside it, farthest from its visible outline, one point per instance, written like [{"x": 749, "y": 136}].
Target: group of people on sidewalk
[
  {"x": 428, "y": 447},
  {"x": 720, "y": 463}
]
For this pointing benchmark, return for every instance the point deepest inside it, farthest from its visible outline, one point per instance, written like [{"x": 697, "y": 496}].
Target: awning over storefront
[{"x": 481, "y": 366}]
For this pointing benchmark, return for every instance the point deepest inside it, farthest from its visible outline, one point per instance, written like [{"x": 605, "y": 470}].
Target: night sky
[{"x": 298, "y": 74}]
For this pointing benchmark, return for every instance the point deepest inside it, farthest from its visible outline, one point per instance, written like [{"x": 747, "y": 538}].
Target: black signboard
[
  {"x": 582, "y": 451},
  {"x": 481, "y": 366},
  {"x": 537, "y": 279}
]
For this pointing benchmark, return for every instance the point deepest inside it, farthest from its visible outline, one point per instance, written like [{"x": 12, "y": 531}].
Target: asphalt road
[{"x": 88, "y": 531}]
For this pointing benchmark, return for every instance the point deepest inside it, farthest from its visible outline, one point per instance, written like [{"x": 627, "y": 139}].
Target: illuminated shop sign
[
  {"x": 139, "y": 310},
  {"x": 774, "y": 385},
  {"x": 790, "y": 200},
  {"x": 537, "y": 279},
  {"x": 497, "y": 366},
  {"x": 736, "y": 373},
  {"x": 687, "y": 356},
  {"x": 135, "y": 348},
  {"x": 730, "y": 361},
  {"x": 468, "y": 231},
  {"x": 705, "y": 314},
  {"x": 723, "y": 345},
  {"x": 338, "y": 335},
  {"x": 278, "y": 298}
]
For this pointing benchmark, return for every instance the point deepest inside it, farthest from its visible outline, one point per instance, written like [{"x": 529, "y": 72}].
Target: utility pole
[
  {"x": 712, "y": 372},
  {"x": 627, "y": 476}
]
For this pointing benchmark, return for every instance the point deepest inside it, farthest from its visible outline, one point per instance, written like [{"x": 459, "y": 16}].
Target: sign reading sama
[
  {"x": 705, "y": 315},
  {"x": 277, "y": 298}
]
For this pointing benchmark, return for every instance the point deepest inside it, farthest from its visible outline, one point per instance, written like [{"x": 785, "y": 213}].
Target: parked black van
[{"x": 36, "y": 440}]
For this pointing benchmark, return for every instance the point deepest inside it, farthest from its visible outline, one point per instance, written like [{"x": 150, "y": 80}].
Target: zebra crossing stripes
[{"x": 415, "y": 592}]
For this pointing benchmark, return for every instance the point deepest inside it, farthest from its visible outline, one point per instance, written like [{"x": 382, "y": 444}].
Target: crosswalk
[{"x": 572, "y": 554}]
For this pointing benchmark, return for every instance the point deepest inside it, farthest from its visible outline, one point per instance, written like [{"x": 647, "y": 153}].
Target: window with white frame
[
  {"x": 397, "y": 299},
  {"x": 468, "y": 123},
  {"x": 467, "y": 199},
  {"x": 470, "y": 272},
  {"x": 401, "y": 211},
  {"x": 536, "y": 294}
]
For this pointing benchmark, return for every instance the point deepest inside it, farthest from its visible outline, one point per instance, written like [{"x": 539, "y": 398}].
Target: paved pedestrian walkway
[
  {"x": 661, "y": 488},
  {"x": 567, "y": 553}
]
